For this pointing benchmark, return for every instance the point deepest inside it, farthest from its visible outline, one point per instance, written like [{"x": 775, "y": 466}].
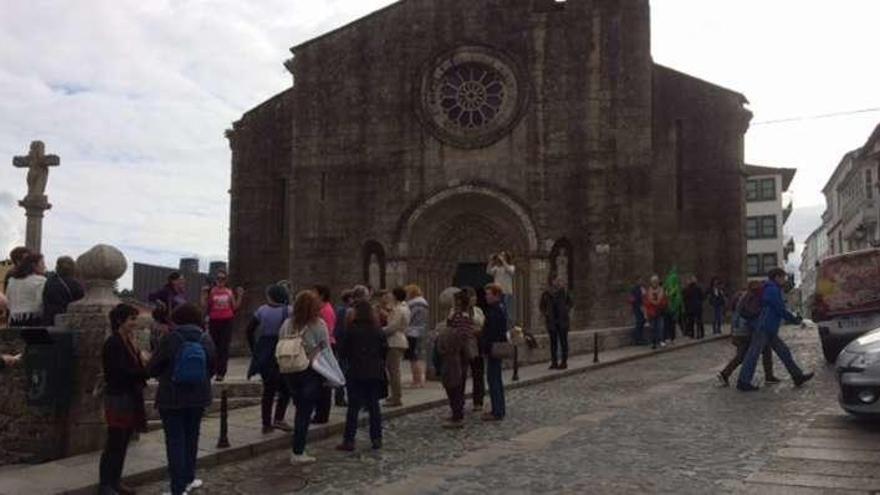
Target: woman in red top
[
  {"x": 221, "y": 303},
  {"x": 655, "y": 304},
  {"x": 328, "y": 314}
]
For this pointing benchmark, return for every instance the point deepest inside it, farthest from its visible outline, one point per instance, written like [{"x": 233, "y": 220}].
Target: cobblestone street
[{"x": 658, "y": 425}]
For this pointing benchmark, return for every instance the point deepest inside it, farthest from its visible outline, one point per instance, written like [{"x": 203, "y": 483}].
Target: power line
[{"x": 816, "y": 117}]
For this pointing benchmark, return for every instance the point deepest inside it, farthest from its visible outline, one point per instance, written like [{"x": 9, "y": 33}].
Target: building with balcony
[
  {"x": 852, "y": 213},
  {"x": 851, "y": 220},
  {"x": 767, "y": 210},
  {"x": 815, "y": 250}
]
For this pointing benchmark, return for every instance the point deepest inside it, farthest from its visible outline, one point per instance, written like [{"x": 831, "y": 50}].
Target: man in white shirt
[{"x": 502, "y": 272}]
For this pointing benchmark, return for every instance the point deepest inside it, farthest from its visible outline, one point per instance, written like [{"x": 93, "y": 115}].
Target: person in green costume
[{"x": 675, "y": 306}]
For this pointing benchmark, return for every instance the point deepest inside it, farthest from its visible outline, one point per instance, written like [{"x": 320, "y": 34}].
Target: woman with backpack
[
  {"x": 183, "y": 364},
  {"x": 457, "y": 346},
  {"x": 268, "y": 319},
  {"x": 364, "y": 349},
  {"x": 125, "y": 377},
  {"x": 746, "y": 309},
  {"x": 302, "y": 337},
  {"x": 61, "y": 289}
]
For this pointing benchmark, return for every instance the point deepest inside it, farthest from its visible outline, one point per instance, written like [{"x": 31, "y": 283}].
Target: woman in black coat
[
  {"x": 364, "y": 348},
  {"x": 125, "y": 377},
  {"x": 61, "y": 289}
]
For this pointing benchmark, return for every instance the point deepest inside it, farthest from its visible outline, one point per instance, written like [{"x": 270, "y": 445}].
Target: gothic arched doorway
[{"x": 450, "y": 237}]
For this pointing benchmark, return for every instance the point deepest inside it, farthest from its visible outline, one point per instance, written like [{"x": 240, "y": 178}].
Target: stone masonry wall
[
  {"x": 24, "y": 432},
  {"x": 258, "y": 236},
  {"x": 574, "y": 158},
  {"x": 592, "y": 159},
  {"x": 699, "y": 211}
]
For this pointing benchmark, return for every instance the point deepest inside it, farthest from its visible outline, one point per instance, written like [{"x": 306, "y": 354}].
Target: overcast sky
[{"x": 135, "y": 95}]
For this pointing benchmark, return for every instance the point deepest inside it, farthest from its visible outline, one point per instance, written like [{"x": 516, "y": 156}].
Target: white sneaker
[
  {"x": 194, "y": 485},
  {"x": 663, "y": 344},
  {"x": 301, "y": 459}
]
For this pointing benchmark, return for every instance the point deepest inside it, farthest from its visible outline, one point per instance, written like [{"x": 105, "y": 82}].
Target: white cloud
[{"x": 135, "y": 97}]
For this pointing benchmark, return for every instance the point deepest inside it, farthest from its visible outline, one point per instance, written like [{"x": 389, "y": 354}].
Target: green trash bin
[{"x": 48, "y": 364}]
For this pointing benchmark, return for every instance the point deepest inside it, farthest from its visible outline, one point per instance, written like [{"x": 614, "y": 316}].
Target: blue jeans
[
  {"x": 509, "y": 309},
  {"x": 760, "y": 339},
  {"x": 496, "y": 386},
  {"x": 639, "y": 330},
  {"x": 304, "y": 388},
  {"x": 719, "y": 320},
  {"x": 657, "y": 330},
  {"x": 363, "y": 394},
  {"x": 181, "y": 428}
]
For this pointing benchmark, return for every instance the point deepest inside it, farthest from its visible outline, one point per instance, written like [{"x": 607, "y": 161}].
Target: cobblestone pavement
[{"x": 658, "y": 425}]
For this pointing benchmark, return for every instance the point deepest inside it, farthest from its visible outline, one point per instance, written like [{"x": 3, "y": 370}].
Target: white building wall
[{"x": 767, "y": 208}]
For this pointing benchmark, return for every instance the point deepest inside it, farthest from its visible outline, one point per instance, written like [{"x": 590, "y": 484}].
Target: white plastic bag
[{"x": 325, "y": 364}]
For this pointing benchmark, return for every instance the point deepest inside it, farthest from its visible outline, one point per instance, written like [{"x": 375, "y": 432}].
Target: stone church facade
[{"x": 416, "y": 141}]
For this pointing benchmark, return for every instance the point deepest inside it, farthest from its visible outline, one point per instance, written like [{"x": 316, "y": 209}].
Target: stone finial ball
[
  {"x": 446, "y": 299},
  {"x": 102, "y": 262}
]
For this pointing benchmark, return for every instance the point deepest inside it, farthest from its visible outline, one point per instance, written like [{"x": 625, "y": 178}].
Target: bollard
[
  {"x": 223, "y": 441},
  {"x": 596, "y": 347},
  {"x": 516, "y": 363}
]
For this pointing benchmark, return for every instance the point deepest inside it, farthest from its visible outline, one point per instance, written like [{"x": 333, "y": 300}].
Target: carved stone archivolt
[{"x": 472, "y": 96}]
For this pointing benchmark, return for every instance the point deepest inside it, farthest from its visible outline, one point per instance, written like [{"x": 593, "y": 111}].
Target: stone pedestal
[
  {"x": 87, "y": 318},
  {"x": 35, "y": 207}
]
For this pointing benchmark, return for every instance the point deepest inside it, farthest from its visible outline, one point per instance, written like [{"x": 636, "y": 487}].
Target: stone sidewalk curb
[{"x": 323, "y": 432}]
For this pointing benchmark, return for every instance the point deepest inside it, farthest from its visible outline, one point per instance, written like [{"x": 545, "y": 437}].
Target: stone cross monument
[{"x": 36, "y": 202}]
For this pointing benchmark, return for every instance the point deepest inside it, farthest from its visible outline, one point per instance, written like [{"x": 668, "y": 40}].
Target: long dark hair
[{"x": 27, "y": 266}]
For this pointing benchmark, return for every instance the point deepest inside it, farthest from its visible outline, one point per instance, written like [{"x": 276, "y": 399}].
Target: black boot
[{"x": 800, "y": 380}]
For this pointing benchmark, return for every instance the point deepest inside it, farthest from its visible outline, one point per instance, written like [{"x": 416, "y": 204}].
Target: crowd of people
[
  {"x": 306, "y": 350},
  {"x": 31, "y": 295},
  {"x": 757, "y": 313},
  {"x": 663, "y": 306}
]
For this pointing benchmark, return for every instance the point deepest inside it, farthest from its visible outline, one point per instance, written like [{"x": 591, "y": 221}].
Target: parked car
[
  {"x": 858, "y": 373},
  {"x": 846, "y": 304}
]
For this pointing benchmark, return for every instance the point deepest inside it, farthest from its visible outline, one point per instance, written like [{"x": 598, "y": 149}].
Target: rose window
[{"x": 472, "y": 96}]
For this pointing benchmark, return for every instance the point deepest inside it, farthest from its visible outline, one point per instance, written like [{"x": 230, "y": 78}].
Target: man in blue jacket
[{"x": 773, "y": 312}]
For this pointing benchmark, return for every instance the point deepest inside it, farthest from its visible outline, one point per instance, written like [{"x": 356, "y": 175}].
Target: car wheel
[{"x": 830, "y": 349}]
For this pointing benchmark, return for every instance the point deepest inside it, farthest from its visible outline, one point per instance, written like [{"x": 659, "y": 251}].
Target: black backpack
[{"x": 749, "y": 305}]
